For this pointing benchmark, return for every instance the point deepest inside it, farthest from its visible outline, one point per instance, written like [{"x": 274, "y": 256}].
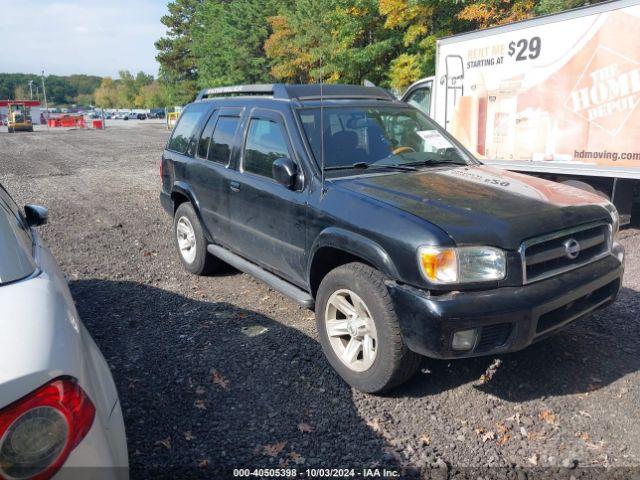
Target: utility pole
[
  {"x": 31, "y": 89},
  {"x": 46, "y": 105}
]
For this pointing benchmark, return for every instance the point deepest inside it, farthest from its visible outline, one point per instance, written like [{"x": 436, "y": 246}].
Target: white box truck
[{"x": 555, "y": 96}]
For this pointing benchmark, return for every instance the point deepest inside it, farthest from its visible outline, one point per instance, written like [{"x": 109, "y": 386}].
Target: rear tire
[
  {"x": 191, "y": 243},
  {"x": 387, "y": 362}
]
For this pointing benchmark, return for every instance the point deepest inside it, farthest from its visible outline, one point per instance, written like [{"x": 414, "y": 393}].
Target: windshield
[
  {"x": 378, "y": 136},
  {"x": 16, "y": 257}
]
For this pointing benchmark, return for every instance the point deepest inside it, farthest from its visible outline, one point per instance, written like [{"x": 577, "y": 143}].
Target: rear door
[
  {"x": 267, "y": 219},
  {"x": 209, "y": 171}
]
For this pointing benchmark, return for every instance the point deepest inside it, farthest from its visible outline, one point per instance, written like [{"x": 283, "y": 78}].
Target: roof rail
[
  {"x": 299, "y": 92},
  {"x": 264, "y": 89}
]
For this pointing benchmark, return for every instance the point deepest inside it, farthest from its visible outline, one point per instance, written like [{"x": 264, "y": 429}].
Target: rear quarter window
[{"x": 185, "y": 129}]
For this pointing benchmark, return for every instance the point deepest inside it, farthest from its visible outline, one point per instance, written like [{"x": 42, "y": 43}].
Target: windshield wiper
[
  {"x": 365, "y": 165},
  {"x": 436, "y": 162}
]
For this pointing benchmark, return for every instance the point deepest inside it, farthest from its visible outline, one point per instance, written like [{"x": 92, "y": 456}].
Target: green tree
[
  {"x": 178, "y": 68},
  {"x": 545, "y": 7},
  {"x": 126, "y": 89},
  {"x": 228, "y": 41}
]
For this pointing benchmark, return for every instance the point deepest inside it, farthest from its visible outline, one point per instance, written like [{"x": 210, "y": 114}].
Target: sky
[{"x": 96, "y": 37}]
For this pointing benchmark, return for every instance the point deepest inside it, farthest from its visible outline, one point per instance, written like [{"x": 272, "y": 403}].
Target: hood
[{"x": 480, "y": 205}]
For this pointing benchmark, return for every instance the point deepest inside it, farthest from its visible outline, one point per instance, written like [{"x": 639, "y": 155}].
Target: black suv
[{"x": 358, "y": 205}]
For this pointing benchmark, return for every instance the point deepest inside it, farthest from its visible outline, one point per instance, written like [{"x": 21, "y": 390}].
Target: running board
[{"x": 275, "y": 282}]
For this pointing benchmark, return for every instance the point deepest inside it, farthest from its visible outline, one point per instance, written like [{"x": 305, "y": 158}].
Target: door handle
[{"x": 234, "y": 186}]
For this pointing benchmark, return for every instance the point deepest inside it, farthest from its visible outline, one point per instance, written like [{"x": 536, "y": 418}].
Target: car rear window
[
  {"x": 16, "y": 247},
  {"x": 185, "y": 129}
]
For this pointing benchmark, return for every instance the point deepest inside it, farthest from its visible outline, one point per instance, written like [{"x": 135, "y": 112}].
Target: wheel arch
[
  {"x": 335, "y": 247},
  {"x": 181, "y": 193}
]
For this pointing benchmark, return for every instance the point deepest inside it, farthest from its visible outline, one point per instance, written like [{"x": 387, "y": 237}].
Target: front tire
[
  {"x": 191, "y": 243},
  {"x": 359, "y": 330}
]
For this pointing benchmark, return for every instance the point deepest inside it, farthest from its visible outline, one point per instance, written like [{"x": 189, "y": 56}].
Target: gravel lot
[{"x": 221, "y": 372}]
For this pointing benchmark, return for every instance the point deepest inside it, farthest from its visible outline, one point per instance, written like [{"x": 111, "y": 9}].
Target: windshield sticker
[{"x": 434, "y": 139}]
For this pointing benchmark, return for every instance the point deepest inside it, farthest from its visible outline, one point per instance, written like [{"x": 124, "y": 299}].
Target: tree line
[
  {"x": 61, "y": 90},
  {"x": 389, "y": 42},
  {"x": 126, "y": 91}
]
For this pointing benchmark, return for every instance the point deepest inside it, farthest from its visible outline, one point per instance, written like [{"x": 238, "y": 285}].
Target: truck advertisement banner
[{"x": 566, "y": 91}]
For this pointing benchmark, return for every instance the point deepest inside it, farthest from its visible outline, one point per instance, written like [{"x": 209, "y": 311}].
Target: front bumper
[{"x": 508, "y": 319}]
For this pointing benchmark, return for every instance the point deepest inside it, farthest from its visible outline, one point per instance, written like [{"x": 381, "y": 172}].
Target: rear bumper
[{"x": 507, "y": 319}]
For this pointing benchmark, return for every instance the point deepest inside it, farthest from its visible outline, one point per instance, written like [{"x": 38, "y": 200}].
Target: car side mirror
[
  {"x": 285, "y": 172},
  {"x": 36, "y": 215}
]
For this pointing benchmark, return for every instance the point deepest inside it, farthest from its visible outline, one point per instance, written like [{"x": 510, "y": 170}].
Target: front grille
[
  {"x": 559, "y": 252},
  {"x": 577, "y": 308},
  {"x": 493, "y": 336}
]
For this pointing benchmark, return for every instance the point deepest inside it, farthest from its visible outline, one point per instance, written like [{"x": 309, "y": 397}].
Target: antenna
[{"x": 322, "y": 187}]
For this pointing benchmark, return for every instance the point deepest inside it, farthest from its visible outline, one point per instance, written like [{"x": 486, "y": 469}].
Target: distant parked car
[
  {"x": 58, "y": 404},
  {"x": 129, "y": 116},
  {"x": 156, "y": 113},
  {"x": 141, "y": 116}
]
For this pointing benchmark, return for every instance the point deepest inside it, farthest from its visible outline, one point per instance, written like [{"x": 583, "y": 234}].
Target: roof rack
[{"x": 299, "y": 92}]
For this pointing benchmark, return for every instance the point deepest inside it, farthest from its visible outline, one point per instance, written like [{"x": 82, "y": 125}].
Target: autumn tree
[
  {"x": 420, "y": 23},
  {"x": 333, "y": 41},
  {"x": 106, "y": 95},
  {"x": 488, "y": 13},
  {"x": 302, "y": 46}
]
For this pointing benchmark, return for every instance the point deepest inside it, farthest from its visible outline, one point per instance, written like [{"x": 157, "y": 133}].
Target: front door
[{"x": 268, "y": 219}]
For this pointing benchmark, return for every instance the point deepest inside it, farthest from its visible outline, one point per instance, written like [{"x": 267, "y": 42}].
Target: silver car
[{"x": 59, "y": 407}]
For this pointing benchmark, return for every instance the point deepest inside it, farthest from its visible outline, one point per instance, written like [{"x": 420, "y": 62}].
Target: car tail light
[
  {"x": 161, "y": 168},
  {"x": 39, "y": 431}
]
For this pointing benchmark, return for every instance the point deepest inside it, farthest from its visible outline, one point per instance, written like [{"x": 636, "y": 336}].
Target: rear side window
[
  {"x": 205, "y": 138},
  {"x": 184, "y": 130},
  {"x": 16, "y": 247},
  {"x": 222, "y": 141},
  {"x": 265, "y": 144}
]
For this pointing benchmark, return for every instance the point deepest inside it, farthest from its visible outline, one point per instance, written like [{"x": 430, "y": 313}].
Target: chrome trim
[{"x": 561, "y": 233}]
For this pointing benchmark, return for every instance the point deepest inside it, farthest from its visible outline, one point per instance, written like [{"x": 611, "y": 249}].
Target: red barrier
[
  {"x": 69, "y": 121},
  {"x": 96, "y": 124}
]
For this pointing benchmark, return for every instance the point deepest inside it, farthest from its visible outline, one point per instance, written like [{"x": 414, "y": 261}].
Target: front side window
[
  {"x": 16, "y": 247},
  {"x": 378, "y": 136},
  {"x": 184, "y": 130},
  {"x": 265, "y": 144}
]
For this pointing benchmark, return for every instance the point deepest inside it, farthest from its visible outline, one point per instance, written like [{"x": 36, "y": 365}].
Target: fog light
[{"x": 464, "y": 339}]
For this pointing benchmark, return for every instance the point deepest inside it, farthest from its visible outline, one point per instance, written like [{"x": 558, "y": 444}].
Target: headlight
[{"x": 445, "y": 265}]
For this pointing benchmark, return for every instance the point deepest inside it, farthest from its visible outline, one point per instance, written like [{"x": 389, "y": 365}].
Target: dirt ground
[{"x": 221, "y": 372}]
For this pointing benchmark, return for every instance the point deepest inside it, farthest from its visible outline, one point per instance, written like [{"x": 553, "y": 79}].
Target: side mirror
[
  {"x": 285, "y": 172},
  {"x": 36, "y": 215}
]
